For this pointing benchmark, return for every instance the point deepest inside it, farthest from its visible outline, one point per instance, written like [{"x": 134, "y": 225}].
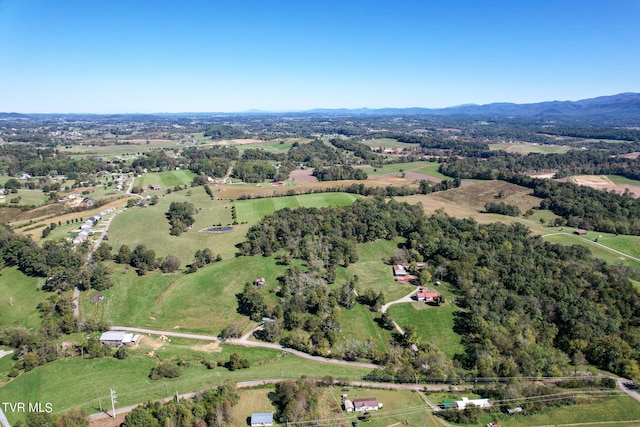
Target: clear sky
[{"x": 144, "y": 56}]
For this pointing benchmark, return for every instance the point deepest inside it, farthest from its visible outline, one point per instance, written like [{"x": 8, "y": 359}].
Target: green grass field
[
  {"x": 124, "y": 151},
  {"x": 165, "y": 180},
  {"x": 253, "y": 210},
  {"x": 622, "y": 180},
  {"x": 425, "y": 168},
  {"x": 149, "y": 226},
  {"x": 529, "y": 148},
  {"x": 627, "y": 244},
  {"x": 26, "y": 197},
  {"x": 388, "y": 143},
  {"x": 203, "y": 302},
  {"x": 19, "y": 297},
  {"x": 359, "y": 324},
  {"x": 373, "y": 271},
  {"x": 434, "y": 324},
  {"x": 92, "y": 379}
]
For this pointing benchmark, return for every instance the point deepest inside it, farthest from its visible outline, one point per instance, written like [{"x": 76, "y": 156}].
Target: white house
[
  {"x": 480, "y": 403},
  {"x": 366, "y": 404}
]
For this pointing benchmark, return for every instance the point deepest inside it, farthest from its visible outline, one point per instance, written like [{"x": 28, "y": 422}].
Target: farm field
[
  {"x": 614, "y": 183},
  {"x": 429, "y": 169},
  {"x": 93, "y": 378},
  {"x": 524, "y": 148},
  {"x": 128, "y": 151},
  {"x": 203, "y": 302},
  {"x": 149, "y": 226},
  {"x": 625, "y": 244},
  {"x": 19, "y": 297},
  {"x": 165, "y": 180},
  {"x": 253, "y": 210},
  {"x": 388, "y": 143}
]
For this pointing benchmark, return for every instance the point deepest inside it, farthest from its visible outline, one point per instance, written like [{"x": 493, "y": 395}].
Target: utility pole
[{"x": 113, "y": 402}]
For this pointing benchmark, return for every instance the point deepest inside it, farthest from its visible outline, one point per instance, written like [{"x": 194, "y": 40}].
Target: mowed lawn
[
  {"x": 359, "y": 324},
  {"x": 19, "y": 297},
  {"x": 253, "y": 210},
  {"x": 388, "y": 143},
  {"x": 165, "y": 180},
  {"x": 530, "y": 148}
]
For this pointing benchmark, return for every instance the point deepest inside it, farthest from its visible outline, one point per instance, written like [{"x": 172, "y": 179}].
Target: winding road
[{"x": 404, "y": 299}]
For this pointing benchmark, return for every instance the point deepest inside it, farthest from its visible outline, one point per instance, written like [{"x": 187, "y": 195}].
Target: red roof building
[{"x": 426, "y": 296}]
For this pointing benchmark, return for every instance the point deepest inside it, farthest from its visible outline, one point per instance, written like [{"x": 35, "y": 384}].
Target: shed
[
  {"x": 399, "y": 270},
  {"x": 118, "y": 338},
  {"x": 348, "y": 405},
  {"x": 580, "y": 232},
  {"x": 262, "y": 419}
]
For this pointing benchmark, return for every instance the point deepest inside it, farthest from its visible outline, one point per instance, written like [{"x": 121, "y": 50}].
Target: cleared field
[
  {"x": 359, "y": 324},
  {"x": 388, "y": 143},
  {"x": 524, "y": 148},
  {"x": 625, "y": 244},
  {"x": 434, "y": 324},
  {"x": 26, "y": 197},
  {"x": 614, "y": 183},
  {"x": 166, "y": 180},
  {"x": 19, "y": 297},
  {"x": 203, "y": 302},
  {"x": 128, "y": 151},
  {"x": 423, "y": 168},
  {"x": 602, "y": 412},
  {"x": 92, "y": 379},
  {"x": 149, "y": 226},
  {"x": 251, "y": 400},
  {"x": 253, "y": 210},
  {"x": 374, "y": 272}
]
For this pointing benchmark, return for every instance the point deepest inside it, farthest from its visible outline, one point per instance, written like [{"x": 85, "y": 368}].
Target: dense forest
[{"x": 527, "y": 307}]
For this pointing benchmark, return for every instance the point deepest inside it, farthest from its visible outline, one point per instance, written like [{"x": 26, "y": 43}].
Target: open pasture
[
  {"x": 92, "y": 379},
  {"x": 526, "y": 148},
  {"x": 252, "y": 210},
  {"x": 19, "y": 297},
  {"x": 388, "y": 143},
  {"x": 409, "y": 170},
  {"x": 165, "y": 180},
  {"x": 125, "y": 151},
  {"x": 149, "y": 226},
  {"x": 614, "y": 183},
  {"x": 605, "y": 248}
]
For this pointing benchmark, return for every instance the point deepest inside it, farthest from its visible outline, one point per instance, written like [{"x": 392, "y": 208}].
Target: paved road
[{"x": 248, "y": 343}]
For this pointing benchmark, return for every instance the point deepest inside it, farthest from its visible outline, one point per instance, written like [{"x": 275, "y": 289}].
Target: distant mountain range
[{"x": 624, "y": 106}]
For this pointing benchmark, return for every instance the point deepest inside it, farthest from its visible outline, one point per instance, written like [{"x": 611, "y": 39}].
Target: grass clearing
[
  {"x": 526, "y": 148},
  {"x": 601, "y": 250},
  {"x": 373, "y": 271},
  {"x": 167, "y": 179},
  {"x": 92, "y": 379},
  {"x": 388, "y": 143},
  {"x": 434, "y": 324},
  {"x": 253, "y": 210},
  {"x": 425, "y": 168},
  {"x": 19, "y": 297},
  {"x": 359, "y": 324}
]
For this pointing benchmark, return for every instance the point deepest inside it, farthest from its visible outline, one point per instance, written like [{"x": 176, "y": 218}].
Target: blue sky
[{"x": 148, "y": 56}]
